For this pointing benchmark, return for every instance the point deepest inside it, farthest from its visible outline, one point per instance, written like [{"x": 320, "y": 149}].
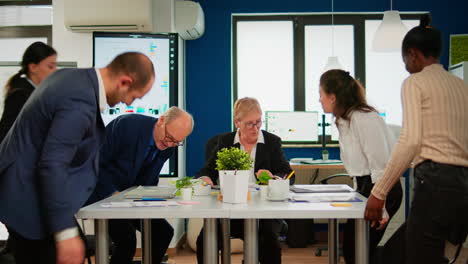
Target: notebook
[{"x": 163, "y": 192}]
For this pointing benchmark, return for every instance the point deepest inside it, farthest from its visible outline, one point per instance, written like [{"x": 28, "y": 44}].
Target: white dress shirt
[
  {"x": 366, "y": 143},
  {"x": 102, "y": 92},
  {"x": 260, "y": 139}
]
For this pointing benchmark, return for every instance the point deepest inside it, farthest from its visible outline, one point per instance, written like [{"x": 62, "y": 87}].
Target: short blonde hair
[{"x": 244, "y": 106}]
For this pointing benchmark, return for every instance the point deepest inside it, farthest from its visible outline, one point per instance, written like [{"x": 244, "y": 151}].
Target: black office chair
[{"x": 318, "y": 251}]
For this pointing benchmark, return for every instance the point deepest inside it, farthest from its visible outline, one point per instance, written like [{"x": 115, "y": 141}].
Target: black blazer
[
  {"x": 14, "y": 102},
  {"x": 269, "y": 156}
]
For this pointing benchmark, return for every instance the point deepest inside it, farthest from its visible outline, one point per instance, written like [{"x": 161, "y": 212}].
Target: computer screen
[
  {"x": 162, "y": 50},
  {"x": 293, "y": 127}
]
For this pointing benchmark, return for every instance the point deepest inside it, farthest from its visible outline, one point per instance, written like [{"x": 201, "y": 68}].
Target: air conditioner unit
[
  {"x": 189, "y": 19},
  {"x": 109, "y": 15}
]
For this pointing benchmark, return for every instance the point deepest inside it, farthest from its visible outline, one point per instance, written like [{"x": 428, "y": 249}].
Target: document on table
[
  {"x": 321, "y": 188},
  {"x": 139, "y": 204},
  {"x": 324, "y": 197},
  {"x": 164, "y": 192}
]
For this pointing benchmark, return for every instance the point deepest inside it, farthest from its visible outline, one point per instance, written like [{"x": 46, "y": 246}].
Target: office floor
[{"x": 290, "y": 256}]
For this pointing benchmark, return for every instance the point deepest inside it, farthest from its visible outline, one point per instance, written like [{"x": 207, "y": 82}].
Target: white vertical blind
[
  {"x": 265, "y": 67},
  {"x": 385, "y": 73}
]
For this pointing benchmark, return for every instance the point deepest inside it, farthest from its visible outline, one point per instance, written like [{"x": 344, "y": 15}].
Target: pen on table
[
  {"x": 149, "y": 199},
  {"x": 290, "y": 174}
]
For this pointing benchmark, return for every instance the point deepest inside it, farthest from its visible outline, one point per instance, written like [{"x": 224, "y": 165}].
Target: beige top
[{"x": 435, "y": 124}]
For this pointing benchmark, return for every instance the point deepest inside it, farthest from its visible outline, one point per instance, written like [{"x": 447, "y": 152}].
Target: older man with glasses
[{"x": 134, "y": 152}]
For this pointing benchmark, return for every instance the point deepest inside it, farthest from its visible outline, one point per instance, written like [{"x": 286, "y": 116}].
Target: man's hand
[
  {"x": 374, "y": 210},
  {"x": 207, "y": 180},
  {"x": 70, "y": 251}
]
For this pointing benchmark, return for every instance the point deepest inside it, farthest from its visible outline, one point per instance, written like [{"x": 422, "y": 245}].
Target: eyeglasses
[
  {"x": 170, "y": 139},
  {"x": 257, "y": 124}
]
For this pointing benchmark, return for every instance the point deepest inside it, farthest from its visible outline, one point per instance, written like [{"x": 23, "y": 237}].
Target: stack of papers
[
  {"x": 321, "y": 188},
  {"x": 139, "y": 204},
  {"x": 324, "y": 197},
  {"x": 163, "y": 192}
]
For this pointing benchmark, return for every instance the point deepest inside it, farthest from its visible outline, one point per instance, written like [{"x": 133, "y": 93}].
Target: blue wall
[{"x": 208, "y": 59}]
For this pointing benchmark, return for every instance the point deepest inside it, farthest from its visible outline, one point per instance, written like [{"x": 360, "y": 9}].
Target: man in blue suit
[
  {"x": 134, "y": 151},
  {"x": 49, "y": 158}
]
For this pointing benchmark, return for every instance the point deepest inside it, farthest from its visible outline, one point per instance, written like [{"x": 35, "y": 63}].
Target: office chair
[{"x": 318, "y": 251}]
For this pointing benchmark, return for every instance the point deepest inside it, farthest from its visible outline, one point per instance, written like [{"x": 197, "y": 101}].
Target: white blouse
[{"x": 366, "y": 143}]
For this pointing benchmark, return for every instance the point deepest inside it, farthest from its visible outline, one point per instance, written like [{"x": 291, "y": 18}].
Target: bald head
[
  {"x": 173, "y": 127},
  {"x": 135, "y": 65}
]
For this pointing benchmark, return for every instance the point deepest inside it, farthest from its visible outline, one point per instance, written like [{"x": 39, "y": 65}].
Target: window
[{"x": 279, "y": 59}]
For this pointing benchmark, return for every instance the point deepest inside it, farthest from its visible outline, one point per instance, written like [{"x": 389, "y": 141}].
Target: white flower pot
[
  {"x": 186, "y": 194},
  {"x": 234, "y": 185},
  {"x": 263, "y": 191}
]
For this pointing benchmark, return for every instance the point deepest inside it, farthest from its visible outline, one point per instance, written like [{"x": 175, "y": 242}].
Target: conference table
[{"x": 210, "y": 209}]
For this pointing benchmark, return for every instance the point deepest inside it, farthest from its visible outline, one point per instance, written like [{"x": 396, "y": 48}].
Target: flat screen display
[{"x": 293, "y": 127}]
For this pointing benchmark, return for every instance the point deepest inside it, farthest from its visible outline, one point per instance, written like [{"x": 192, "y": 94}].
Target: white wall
[{"x": 78, "y": 47}]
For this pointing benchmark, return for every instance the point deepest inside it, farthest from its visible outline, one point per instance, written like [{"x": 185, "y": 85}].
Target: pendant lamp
[
  {"x": 390, "y": 33},
  {"x": 332, "y": 61}
]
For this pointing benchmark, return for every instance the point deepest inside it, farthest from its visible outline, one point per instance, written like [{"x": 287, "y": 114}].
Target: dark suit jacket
[
  {"x": 14, "y": 102},
  {"x": 123, "y": 154},
  {"x": 49, "y": 158},
  {"x": 269, "y": 156}
]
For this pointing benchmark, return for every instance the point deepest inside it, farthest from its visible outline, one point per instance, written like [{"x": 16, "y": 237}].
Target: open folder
[{"x": 163, "y": 192}]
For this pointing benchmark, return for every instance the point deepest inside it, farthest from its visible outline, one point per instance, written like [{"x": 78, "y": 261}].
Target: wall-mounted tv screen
[{"x": 162, "y": 50}]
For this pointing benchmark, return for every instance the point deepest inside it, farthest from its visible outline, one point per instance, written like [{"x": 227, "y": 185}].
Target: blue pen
[{"x": 149, "y": 199}]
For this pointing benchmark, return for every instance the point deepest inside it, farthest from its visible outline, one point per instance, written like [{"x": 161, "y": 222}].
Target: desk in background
[{"x": 309, "y": 173}]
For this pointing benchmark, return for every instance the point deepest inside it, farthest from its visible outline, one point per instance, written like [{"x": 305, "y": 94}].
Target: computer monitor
[
  {"x": 162, "y": 50},
  {"x": 293, "y": 127}
]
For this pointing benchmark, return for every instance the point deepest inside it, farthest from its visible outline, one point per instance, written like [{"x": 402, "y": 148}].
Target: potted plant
[
  {"x": 263, "y": 179},
  {"x": 324, "y": 154},
  {"x": 184, "y": 187},
  {"x": 234, "y": 167}
]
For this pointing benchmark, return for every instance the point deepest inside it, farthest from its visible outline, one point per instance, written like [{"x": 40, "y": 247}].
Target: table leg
[
  {"x": 226, "y": 233},
  {"x": 362, "y": 241},
  {"x": 102, "y": 241},
  {"x": 333, "y": 249},
  {"x": 146, "y": 247},
  {"x": 210, "y": 241},
  {"x": 250, "y": 241}
]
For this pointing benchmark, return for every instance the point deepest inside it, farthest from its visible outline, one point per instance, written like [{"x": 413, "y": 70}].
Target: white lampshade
[
  {"x": 332, "y": 64},
  {"x": 390, "y": 33}
]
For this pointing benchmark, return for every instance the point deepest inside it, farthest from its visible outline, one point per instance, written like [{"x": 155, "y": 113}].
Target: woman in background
[
  {"x": 39, "y": 60},
  {"x": 365, "y": 146}
]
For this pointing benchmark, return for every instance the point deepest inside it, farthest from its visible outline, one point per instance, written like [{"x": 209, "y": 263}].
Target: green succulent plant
[
  {"x": 233, "y": 159},
  {"x": 263, "y": 178}
]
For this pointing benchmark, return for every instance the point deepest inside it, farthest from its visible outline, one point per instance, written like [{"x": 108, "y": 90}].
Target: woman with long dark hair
[
  {"x": 39, "y": 60},
  {"x": 366, "y": 143}
]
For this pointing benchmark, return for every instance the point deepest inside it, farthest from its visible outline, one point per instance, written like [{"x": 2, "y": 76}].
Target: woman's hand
[{"x": 207, "y": 180}]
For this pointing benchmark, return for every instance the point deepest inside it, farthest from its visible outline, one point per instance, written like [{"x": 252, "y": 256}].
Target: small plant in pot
[
  {"x": 234, "y": 167},
  {"x": 184, "y": 187},
  {"x": 263, "y": 177}
]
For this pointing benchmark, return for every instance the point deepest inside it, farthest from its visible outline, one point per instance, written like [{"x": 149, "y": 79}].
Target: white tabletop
[
  {"x": 259, "y": 208},
  {"x": 210, "y": 207}
]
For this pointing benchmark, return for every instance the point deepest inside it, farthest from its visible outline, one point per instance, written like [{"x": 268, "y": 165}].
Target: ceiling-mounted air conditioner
[{"x": 109, "y": 15}]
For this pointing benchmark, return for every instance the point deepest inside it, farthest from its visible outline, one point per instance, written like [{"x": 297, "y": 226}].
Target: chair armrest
[{"x": 325, "y": 180}]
